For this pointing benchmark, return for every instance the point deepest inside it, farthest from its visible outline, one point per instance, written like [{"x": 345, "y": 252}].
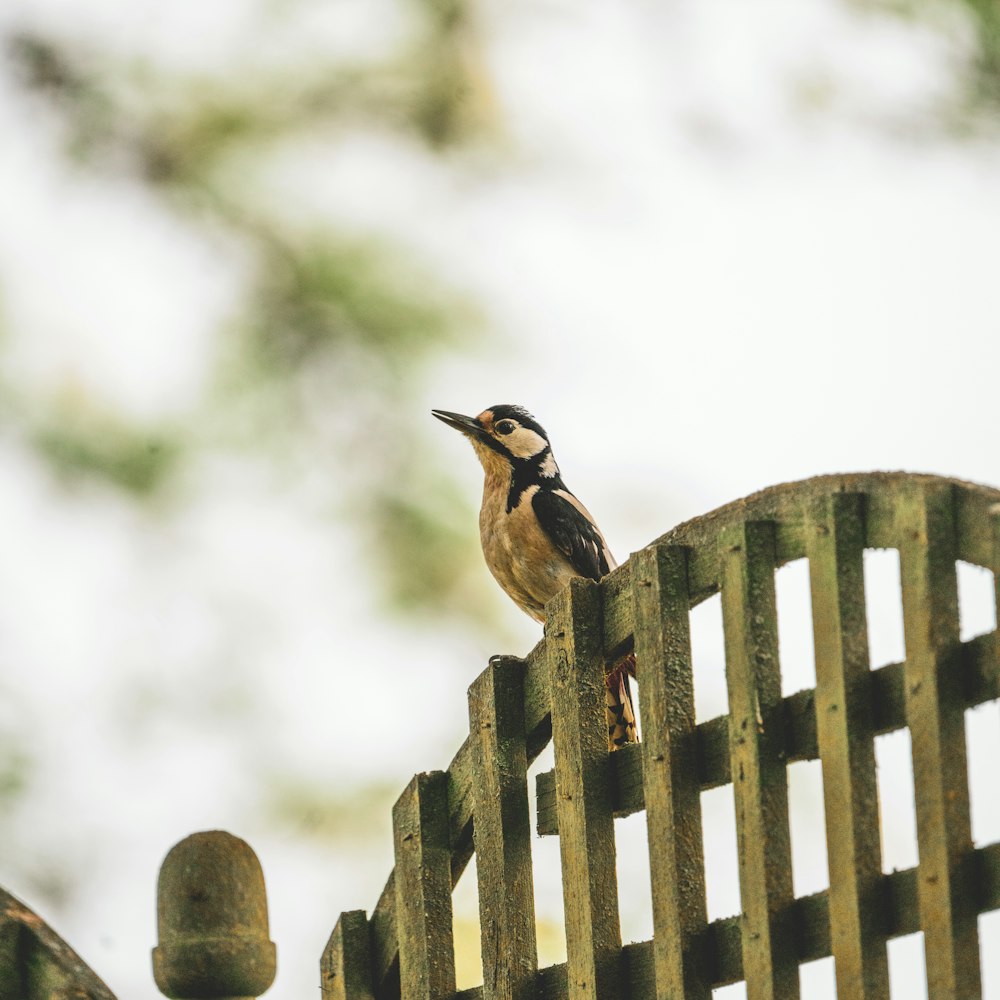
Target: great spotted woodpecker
[{"x": 536, "y": 535}]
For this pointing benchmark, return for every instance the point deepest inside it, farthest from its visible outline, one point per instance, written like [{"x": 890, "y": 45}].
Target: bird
[{"x": 536, "y": 535}]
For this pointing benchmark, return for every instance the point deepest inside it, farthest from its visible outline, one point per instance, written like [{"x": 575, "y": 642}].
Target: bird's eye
[{"x": 505, "y": 426}]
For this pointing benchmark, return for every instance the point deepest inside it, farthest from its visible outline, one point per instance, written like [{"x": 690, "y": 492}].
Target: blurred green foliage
[
  {"x": 327, "y": 349},
  {"x": 320, "y": 362},
  {"x": 432, "y": 513},
  {"x": 123, "y": 455},
  {"x": 977, "y": 107},
  {"x": 349, "y": 312},
  {"x": 323, "y": 294},
  {"x": 16, "y": 766},
  {"x": 985, "y": 83},
  {"x": 317, "y": 811}
]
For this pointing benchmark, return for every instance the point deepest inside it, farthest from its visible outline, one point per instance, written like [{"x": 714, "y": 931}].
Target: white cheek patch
[
  {"x": 524, "y": 443},
  {"x": 548, "y": 467}
]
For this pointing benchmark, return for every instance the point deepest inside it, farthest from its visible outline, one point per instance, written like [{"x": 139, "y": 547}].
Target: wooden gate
[{"x": 406, "y": 950}]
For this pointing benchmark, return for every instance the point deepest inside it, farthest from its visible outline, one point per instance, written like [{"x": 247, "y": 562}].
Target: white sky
[{"x": 699, "y": 286}]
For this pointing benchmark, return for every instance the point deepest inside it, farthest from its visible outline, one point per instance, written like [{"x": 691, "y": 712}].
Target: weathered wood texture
[
  {"x": 883, "y": 688},
  {"x": 845, "y": 732},
  {"x": 345, "y": 968},
  {"x": 671, "y": 789},
  {"x": 423, "y": 889},
  {"x": 502, "y": 832},
  {"x": 36, "y": 964},
  {"x": 935, "y": 714},
  {"x": 757, "y": 760},
  {"x": 517, "y": 705},
  {"x": 583, "y": 794}
]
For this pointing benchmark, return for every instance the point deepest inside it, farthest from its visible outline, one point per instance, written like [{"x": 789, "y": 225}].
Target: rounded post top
[{"x": 212, "y": 921}]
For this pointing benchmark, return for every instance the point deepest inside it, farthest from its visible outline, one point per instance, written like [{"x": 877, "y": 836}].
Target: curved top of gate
[
  {"x": 36, "y": 964},
  {"x": 406, "y": 948}
]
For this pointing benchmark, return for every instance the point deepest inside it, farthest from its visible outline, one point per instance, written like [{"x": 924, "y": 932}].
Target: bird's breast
[{"x": 520, "y": 554}]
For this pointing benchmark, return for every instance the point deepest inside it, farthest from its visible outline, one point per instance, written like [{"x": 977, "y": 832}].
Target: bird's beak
[{"x": 467, "y": 425}]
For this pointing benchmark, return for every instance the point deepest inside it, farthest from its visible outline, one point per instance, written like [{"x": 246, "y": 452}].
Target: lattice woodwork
[{"x": 405, "y": 949}]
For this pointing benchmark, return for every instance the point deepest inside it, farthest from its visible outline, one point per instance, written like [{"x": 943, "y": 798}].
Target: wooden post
[
  {"x": 757, "y": 753},
  {"x": 846, "y": 736},
  {"x": 502, "y": 831},
  {"x": 345, "y": 968},
  {"x": 423, "y": 889},
  {"x": 671, "y": 787},
  {"x": 935, "y": 713},
  {"x": 583, "y": 793}
]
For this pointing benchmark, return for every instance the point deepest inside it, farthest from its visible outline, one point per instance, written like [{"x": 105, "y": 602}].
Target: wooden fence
[{"x": 405, "y": 949}]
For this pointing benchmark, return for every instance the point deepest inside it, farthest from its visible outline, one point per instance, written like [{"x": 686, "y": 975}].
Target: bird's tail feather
[{"x": 618, "y": 704}]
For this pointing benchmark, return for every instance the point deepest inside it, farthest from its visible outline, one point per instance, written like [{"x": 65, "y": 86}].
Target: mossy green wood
[
  {"x": 583, "y": 793},
  {"x": 846, "y": 737},
  {"x": 36, "y": 964},
  {"x": 809, "y": 916},
  {"x": 626, "y": 789},
  {"x": 502, "y": 832},
  {"x": 461, "y": 778},
  {"x": 994, "y": 518},
  {"x": 977, "y": 662},
  {"x": 791, "y": 509},
  {"x": 672, "y": 791},
  {"x": 423, "y": 889},
  {"x": 345, "y": 967},
  {"x": 935, "y": 714},
  {"x": 747, "y": 561}
]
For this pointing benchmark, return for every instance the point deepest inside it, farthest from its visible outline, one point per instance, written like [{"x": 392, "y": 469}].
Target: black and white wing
[{"x": 572, "y": 533}]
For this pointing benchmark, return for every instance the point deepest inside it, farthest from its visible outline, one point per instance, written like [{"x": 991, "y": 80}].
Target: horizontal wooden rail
[
  {"x": 981, "y": 683},
  {"x": 809, "y": 914},
  {"x": 791, "y": 507}
]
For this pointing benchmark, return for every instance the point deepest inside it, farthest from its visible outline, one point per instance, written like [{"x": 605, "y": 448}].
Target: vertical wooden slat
[
  {"x": 994, "y": 513},
  {"x": 423, "y": 889},
  {"x": 583, "y": 794},
  {"x": 935, "y": 715},
  {"x": 670, "y": 772},
  {"x": 756, "y": 747},
  {"x": 502, "y": 831},
  {"x": 846, "y": 740},
  {"x": 345, "y": 968}
]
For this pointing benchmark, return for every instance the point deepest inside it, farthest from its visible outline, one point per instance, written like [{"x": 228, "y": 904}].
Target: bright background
[{"x": 244, "y": 249}]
